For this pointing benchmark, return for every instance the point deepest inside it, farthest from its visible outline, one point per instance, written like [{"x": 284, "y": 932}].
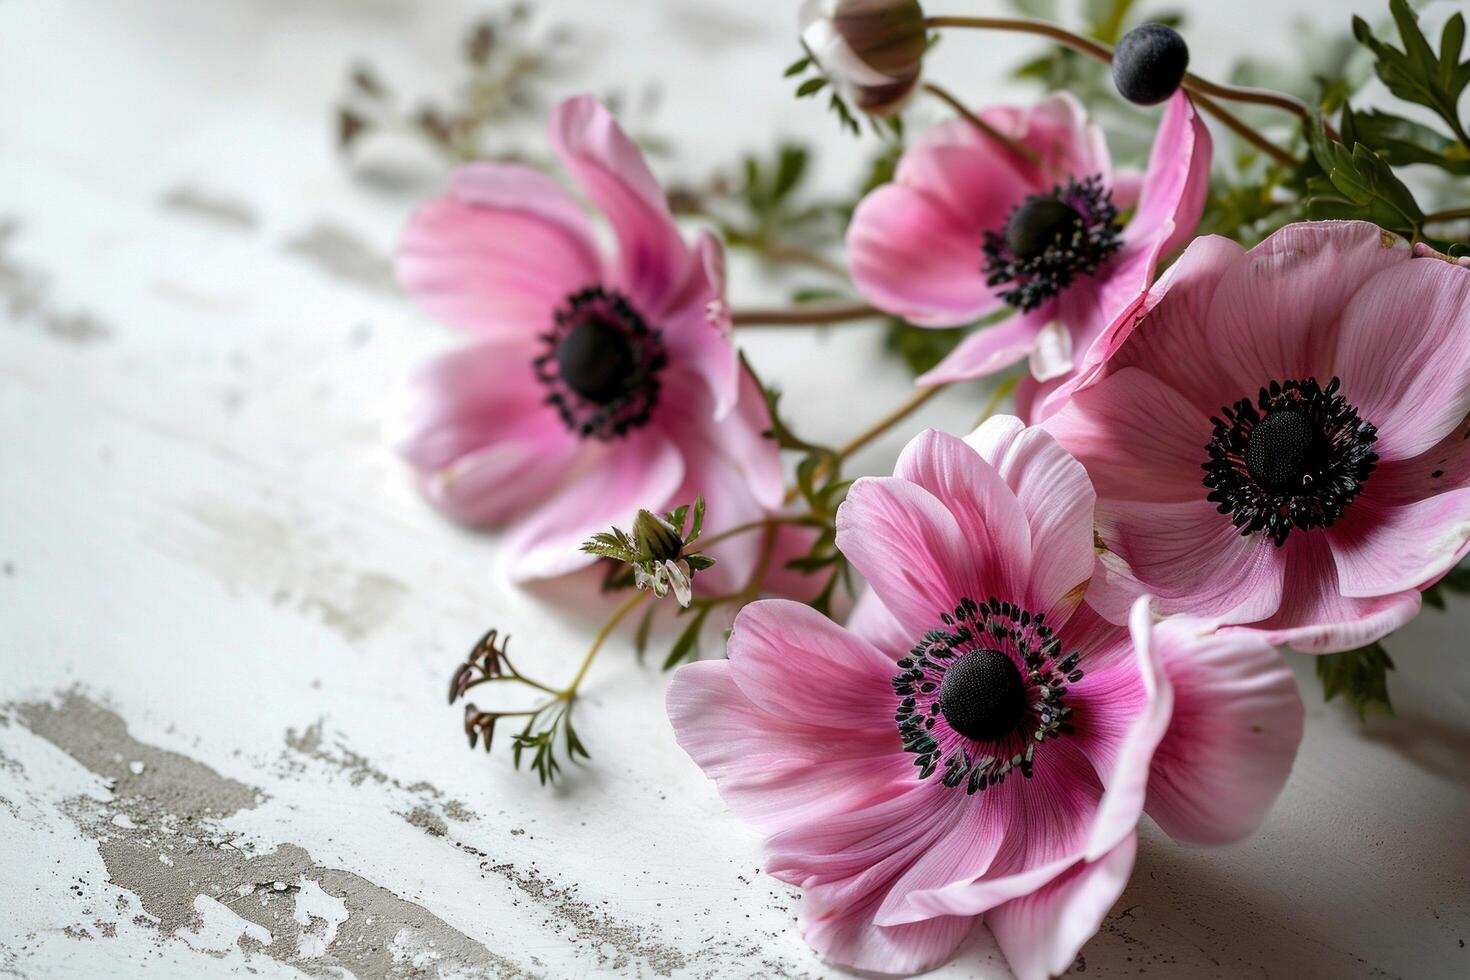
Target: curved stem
[
  {"x": 945, "y": 96},
  {"x": 903, "y": 411},
  {"x": 739, "y": 529},
  {"x": 1200, "y": 88},
  {"x": 1453, "y": 214},
  {"x": 602, "y": 634},
  {"x": 800, "y": 316}
]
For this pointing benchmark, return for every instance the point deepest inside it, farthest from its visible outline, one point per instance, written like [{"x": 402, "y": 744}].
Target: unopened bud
[
  {"x": 872, "y": 50},
  {"x": 656, "y": 537}
]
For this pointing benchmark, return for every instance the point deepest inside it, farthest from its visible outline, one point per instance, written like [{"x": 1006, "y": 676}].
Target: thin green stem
[
  {"x": 739, "y": 529},
  {"x": 803, "y": 316},
  {"x": 570, "y": 691},
  {"x": 903, "y": 411}
]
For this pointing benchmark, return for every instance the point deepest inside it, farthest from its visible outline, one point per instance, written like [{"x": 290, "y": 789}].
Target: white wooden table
[{"x": 227, "y": 620}]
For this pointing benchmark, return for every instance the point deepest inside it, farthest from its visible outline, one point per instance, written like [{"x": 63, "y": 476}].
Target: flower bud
[
  {"x": 872, "y": 50},
  {"x": 656, "y": 538}
]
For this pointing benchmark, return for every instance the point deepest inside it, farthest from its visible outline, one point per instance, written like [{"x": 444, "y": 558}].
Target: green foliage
[
  {"x": 1416, "y": 73},
  {"x": 539, "y": 738},
  {"x": 657, "y": 552},
  {"x": 1358, "y": 183},
  {"x": 1360, "y": 676}
]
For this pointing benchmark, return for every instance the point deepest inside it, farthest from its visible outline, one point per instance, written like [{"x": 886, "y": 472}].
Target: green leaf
[
  {"x": 1416, "y": 73},
  {"x": 686, "y": 647},
  {"x": 920, "y": 348},
  {"x": 810, "y": 87},
  {"x": 640, "y": 636},
  {"x": 1359, "y": 184},
  {"x": 798, "y": 66},
  {"x": 698, "y": 524},
  {"x": 1401, "y": 141},
  {"x": 1360, "y": 676}
]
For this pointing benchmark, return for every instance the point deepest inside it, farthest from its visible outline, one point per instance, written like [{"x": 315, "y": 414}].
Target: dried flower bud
[
  {"x": 657, "y": 539},
  {"x": 872, "y": 50}
]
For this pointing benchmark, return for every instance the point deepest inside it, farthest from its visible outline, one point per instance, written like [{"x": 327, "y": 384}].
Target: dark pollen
[
  {"x": 1051, "y": 239},
  {"x": 1280, "y": 449},
  {"x": 595, "y": 359},
  {"x": 983, "y": 696},
  {"x": 1039, "y": 224}
]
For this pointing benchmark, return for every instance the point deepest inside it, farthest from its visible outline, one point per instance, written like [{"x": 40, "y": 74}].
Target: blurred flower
[
  {"x": 1279, "y": 443},
  {"x": 970, "y": 226},
  {"x": 979, "y": 741},
  {"x": 597, "y": 385},
  {"x": 871, "y": 50}
]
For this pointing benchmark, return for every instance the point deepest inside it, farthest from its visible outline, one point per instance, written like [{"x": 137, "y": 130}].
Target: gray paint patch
[
  {"x": 25, "y": 292},
  {"x": 169, "y": 850},
  {"x": 216, "y": 209},
  {"x": 343, "y": 254}
]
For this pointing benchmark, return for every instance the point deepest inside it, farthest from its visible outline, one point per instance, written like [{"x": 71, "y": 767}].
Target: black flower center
[
  {"x": 1295, "y": 458},
  {"x": 1050, "y": 239},
  {"x": 982, "y": 695},
  {"x": 982, "y": 692},
  {"x": 595, "y": 359},
  {"x": 602, "y": 364}
]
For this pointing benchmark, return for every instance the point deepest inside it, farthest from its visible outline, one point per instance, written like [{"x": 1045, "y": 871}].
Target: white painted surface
[{"x": 203, "y": 527}]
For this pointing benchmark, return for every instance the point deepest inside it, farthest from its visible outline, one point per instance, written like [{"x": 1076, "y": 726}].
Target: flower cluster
[{"x": 1222, "y": 445}]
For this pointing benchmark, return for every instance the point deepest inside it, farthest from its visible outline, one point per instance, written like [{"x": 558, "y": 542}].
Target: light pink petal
[
  {"x": 990, "y": 349},
  {"x": 1056, "y": 495},
  {"x": 1177, "y": 180},
  {"x": 1058, "y": 130},
  {"x": 1127, "y": 186},
  {"x": 696, "y": 328},
  {"x": 1168, "y": 336},
  {"x": 1042, "y": 933},
  {"x": 846, "y": 935},
  {"x": 991, "y": 519},
  {"x": 652, "y": 258},
  {"x": 1194, "y": 561},
  {"x": 913, "y": 257},
  {"x": 773, "y": 769},
  {"x": 1233, "y": 736},
  {"x": 484, "y": 442},
  {"x": 499, "y": 254},
  {"x": 621, "y": 476},
  {"x": 871, "y": 620},
  {"x": 1382, "y": 548},
  {"x": 1315, "y": 617},
  {"x": 1275, "y": 315},
  {"x": 908, "y": 546},
  {"x": 1125, "y": 712},
  {"x": 1403, "y": 357},
  {"x": 796, "y": 662},
  {"x": 1138, "y": 438},
  {"x": 1091, "y": 311}
]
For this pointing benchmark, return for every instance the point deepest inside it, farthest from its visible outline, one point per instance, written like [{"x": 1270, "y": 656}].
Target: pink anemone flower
[
  {"x": 979, "y": 741},
  {"x": 596, "y": 385},
  {"x": 969, "y": 227},
  {"x": 1279, "y": 443}
]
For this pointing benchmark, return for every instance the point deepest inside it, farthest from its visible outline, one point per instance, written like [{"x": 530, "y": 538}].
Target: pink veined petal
[
  {"x": 1051, "y": 357},
  {"x": 641, "y": 470},
  {"x": 1381, "y": 548},
  {"x": 871, "y": 620},
  {"x": 796, "y": 662},
  {"x": 913, "y": 257},
  {"x": 1136, "y": 704},
  {"x": 908, "y": 546},
  {"x": 1138, "y": 438},
  {"x": 696, "y": 329},
  {"x": 990, "y": 349},
  {"x": 484, "y": 443},
  {"x": 1127, "y": 186},
  {"x": 1193, "y": 560},
  {"x": 1402, "y": 355},
  {"x": 1177, "y": 179},
  {"x": 652, "y": 258},
  {"x": 1059, "y": 131},
  {"x": 1167, "y": 335},
  {"x": 774, "y": 770},
  {"x": 1315, "y": 617},
  {"x": 1042, "y": 933},
  {"x": 1232, "y": 738},
  {"x": 1113, "y": 588},
  {"x": 1030, "y": 395},
  {"x": 990, "y": 518},
  {"x": 1275, "y": 314},
  {"x": 1057, "y": 497},
  {"x": 499, "y": 254}
]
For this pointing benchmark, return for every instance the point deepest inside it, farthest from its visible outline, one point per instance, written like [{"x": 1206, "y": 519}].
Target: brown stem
[
  {"x": 1453, "y": 214},
  {"x": 804, "y": 316},
  {"x": 1196, "y": 86},
  {"x": 984, "y": 127}
]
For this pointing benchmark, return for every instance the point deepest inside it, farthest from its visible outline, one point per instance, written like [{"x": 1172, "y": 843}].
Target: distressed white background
[{"x": 205, "y": 537}]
